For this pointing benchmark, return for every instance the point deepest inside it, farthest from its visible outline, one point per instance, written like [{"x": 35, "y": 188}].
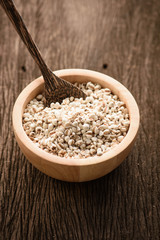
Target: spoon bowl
[
  {"x": 56, "y": 89},
  {"x": 72, "y": 169}
]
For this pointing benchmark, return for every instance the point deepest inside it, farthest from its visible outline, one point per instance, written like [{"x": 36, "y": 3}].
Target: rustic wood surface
[{"x": 122, "y": 39}]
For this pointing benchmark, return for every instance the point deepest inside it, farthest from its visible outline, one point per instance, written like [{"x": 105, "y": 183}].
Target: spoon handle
[{"x": 19, "y": 25}]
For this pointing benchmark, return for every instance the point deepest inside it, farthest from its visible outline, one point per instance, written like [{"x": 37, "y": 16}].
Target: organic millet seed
[{"x": 76, "y": 127}]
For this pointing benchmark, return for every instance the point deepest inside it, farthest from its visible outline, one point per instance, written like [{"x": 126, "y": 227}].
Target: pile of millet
[{"x": 78, "y": 128}]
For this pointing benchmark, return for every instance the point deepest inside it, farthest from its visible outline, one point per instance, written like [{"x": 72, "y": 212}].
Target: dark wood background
[{"x": 120, "y": 38}]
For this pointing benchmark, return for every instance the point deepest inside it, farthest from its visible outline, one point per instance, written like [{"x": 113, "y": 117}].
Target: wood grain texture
[{"x": 125, "y": 35}]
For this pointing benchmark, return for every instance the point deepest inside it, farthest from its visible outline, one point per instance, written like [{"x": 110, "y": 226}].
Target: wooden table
[{"x": 119, "y": 38}]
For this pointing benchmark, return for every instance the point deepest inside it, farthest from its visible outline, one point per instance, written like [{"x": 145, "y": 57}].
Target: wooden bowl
[{"x": 71, "y": 169}]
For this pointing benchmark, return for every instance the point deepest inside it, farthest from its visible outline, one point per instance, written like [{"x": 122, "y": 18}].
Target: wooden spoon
[{"x": 56, "y": 89}]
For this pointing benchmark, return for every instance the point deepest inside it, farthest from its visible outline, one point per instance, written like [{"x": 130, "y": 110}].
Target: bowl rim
[{"x": 118, "y": 149}]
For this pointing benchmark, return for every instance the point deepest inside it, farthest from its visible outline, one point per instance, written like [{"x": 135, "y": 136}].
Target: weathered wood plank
[{"x": 125, "y": 35}]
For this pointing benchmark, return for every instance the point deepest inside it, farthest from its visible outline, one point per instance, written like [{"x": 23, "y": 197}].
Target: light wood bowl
[{"x": 71, "y": 169}]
